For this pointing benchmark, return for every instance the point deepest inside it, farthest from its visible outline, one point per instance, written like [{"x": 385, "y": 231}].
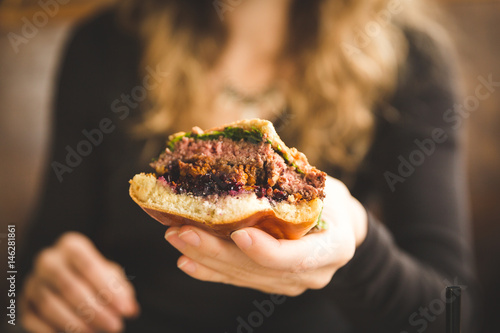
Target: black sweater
[{"x": 396, "y": 279}]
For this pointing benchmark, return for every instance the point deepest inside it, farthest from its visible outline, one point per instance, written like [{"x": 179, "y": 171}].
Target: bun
[{"x": 223, "y": 215}]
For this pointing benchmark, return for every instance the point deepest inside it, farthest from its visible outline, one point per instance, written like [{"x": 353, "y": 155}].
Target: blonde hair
[{"x": 346, "y": 53}]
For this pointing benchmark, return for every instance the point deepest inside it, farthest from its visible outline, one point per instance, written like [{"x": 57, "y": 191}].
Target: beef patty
[{"x": 226, "y": 167}]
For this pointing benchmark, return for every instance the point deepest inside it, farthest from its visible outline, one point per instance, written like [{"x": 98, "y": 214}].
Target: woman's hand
[
  {"x": 254, "y": 259},
  {"x": 73, "y": 288}
]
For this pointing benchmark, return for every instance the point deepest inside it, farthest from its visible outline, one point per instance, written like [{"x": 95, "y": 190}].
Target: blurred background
[{"x": 28, "y": 67}]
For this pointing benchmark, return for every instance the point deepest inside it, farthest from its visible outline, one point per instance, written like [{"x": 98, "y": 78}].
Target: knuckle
[
  {"x": 71, "y": 241},
  {"x": 297, "y": 269},
  {"x": 294, "y": 284},
  {"x": 240, "y": 274},
  {"x": 104, "y": 297},
  {"x": 321, "y": 281},
  {"x": 247, "y": 266},
  {"x": 303, "y": 265},
  {"x": 47, "y": 260},
  {"x": 316, "y": 284},
  {"x": 86, "y": 311},
  {"x": 268, "y": 259},
  {"x": 295, "y": 291},
  {"x": 67, "y": 287},
  {"x": 292, "y": 278},
  {"x": 216, "y": 252}
]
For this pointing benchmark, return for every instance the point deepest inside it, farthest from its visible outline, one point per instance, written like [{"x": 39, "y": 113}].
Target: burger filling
[{"x": 227, "y": 164}]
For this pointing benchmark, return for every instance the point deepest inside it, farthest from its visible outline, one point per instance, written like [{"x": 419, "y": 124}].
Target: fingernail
[
  {"x": 175, "y": 241},
  {"x": 242, "y": 239},
  {"x": 190, "y": 237},
  {"x": 186, "y": 265},
  {"x": 170, "y": 233}
]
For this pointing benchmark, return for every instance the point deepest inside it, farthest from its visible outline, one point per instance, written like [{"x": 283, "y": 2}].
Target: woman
[{"x": 361, "y": 87}]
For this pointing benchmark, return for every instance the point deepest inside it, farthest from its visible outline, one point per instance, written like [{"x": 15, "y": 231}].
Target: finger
[
  {"x": 313, "y": 279},
  {"x": 290, "y": 284},
  {"x": 263, "y": 279},
  {"x": 202, "y": 272},
  {"x": 110, "y": 283},
  {"x": 309, "y": 252},
  {"x": 33, "y": 323},
  {"x": 81, "y": 297},
  {"x": 212, "y": 251},
  {"x": 53, "y": 310},
  {"x": 197, "y": 244}
]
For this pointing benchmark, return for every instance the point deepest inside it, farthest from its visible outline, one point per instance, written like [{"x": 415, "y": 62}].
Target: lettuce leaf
[{"x": 233, "y": 133}]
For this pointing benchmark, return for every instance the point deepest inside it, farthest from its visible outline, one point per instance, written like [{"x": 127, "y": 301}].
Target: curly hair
[{"x": 346, "y": 55}]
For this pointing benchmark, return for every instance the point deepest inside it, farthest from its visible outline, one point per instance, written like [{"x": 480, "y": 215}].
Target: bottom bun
[{"x": 222, "y": 215}]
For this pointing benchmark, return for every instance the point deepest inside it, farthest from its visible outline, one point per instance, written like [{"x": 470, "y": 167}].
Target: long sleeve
[
  {"x": 72, "y": 197},
  {"x": 397, "y": 278}
]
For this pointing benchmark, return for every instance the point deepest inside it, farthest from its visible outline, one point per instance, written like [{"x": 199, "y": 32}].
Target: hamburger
[{"x": 235, "y": 176}]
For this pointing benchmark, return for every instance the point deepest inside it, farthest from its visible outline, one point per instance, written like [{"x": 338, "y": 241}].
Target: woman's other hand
[
  {"x": 256, "y": 260},
  {"x": 73, "y": 288}
]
